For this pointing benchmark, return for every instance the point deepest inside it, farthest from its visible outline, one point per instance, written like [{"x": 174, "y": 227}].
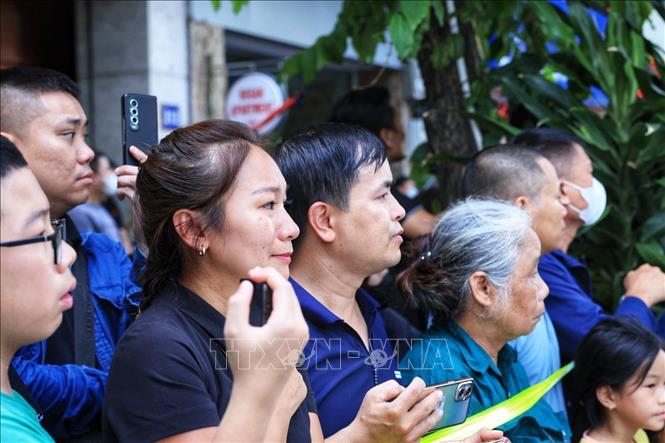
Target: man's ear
[
  {"x": 482, "y": 290},
  {"x": 606, "y": 396},
  {"x": 189, "y": 229},
  {"x": 319, "y": 217},
  {"x": 9, "y": 136},
  {"x": 522, "y": 202}
]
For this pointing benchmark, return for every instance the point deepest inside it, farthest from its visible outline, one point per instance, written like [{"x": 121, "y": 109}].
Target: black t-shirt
[{"x": 169, "y": 376}]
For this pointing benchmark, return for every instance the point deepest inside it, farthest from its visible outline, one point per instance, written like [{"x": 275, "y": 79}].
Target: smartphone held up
[{"x": 139, "y": 124}]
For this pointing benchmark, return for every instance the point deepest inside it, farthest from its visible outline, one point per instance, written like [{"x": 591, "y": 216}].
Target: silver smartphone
[{"x": 455, "y": 401}]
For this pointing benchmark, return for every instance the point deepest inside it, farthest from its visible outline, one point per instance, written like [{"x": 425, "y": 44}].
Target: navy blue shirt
[
  {"x": 570, "y": 303},
  {"x": 170, "y": 374},
  {"x": 341, "y": 369}
]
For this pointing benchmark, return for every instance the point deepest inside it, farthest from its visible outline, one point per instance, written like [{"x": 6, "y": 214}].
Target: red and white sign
[{"x": 252, "y": 98}]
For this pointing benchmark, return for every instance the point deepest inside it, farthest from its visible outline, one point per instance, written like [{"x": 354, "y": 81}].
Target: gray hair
[{"x": 473, "y": 235}]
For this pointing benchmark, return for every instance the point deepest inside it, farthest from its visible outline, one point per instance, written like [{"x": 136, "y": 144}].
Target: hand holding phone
[
  {"x": 139, "y": 124},
  {"x": 455, "y": 401},
  {"x": 261, "y": 304}
]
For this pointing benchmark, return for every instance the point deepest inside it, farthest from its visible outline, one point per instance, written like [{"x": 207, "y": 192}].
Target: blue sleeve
[
  {"x": 633, "y": 307},
  {"x": 574, "y": 313},
  {"x": 70, "y": 396}
]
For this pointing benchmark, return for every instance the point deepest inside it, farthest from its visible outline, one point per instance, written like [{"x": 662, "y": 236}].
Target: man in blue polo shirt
[
  {"x": 339, "y": 180},
  {"x": 570, "y": 303}
]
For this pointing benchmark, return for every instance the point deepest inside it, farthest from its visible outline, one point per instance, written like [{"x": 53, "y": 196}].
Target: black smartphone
[
  {"x": 455, "y": 401},
  {"x": 139, "y": 124},
  {"x": 261, "y": 305}
]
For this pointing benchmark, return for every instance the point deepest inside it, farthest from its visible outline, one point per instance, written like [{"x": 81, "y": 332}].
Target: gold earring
[{"x": 202, "y": 250}]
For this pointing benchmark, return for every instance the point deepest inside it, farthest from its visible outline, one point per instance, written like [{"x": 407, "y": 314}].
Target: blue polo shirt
[
  {"x": 538, "y": 353},
  {"x": 341, "y": 369},
  {"x": 571, "y": 306},
  {"x": 447, "y": 353}
]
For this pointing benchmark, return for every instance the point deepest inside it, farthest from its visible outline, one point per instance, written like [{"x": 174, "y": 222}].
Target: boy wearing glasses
[
  {"x": 66, "y": 374},
  {"x": 35, "y": 286}
]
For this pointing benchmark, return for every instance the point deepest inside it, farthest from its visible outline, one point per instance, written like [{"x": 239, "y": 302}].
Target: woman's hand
[
  {"x": 267, "y": 389},
  {"x": 263, "y": 356}
]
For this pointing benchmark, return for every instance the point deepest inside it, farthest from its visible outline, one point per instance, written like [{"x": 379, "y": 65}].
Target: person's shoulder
[
  {"x": 19, "y": 420},
  {"x": 551, "y": 260},
  {"x": 96, "y": 242},
  {"x": 162, "y": 326}
]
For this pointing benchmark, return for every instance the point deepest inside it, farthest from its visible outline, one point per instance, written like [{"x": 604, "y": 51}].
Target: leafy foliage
[
  {"x": 626, "y": 140},
  {"x": 366, "y": 24}
]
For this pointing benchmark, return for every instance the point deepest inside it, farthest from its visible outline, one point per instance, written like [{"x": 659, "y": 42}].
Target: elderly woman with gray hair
[{"x": 478, "y": 275}]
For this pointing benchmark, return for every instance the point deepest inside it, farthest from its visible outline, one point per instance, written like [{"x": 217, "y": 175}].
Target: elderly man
[
  {"x": 570, "y": 304},
  {"x": 66, "y": 374},
  {"x": 529, "y": 181},
  {"x": 339, "y": 182}
]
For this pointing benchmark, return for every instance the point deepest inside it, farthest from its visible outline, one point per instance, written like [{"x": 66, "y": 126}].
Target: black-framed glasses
[{"x": 55, "y": 239}]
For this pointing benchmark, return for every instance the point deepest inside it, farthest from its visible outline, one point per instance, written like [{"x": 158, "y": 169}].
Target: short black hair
[
  {"x": 556, "y": 145},
  {"x": 368, "y": 107},
  {"x": 10, "y": 157},
  {"x": 504, "y": 172},
  {"x": 322, "y": 164},
  {"x": 20, "y": 87},
  {"x": 613, "y": 352}
]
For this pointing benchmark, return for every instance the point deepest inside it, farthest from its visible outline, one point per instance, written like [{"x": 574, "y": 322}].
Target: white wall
[
  {"x": 168, "y": 66},
  {"x": 297, "y": 23}
]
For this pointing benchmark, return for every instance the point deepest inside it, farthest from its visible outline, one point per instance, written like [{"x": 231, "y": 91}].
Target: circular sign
[{"x": 252, "y": 99}]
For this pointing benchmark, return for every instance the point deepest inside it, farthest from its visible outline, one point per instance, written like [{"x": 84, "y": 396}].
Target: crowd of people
[{"x": 96, "y": 346}]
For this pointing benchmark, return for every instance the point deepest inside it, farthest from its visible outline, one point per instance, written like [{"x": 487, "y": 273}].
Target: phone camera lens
[
  {"x": 134, "y": 111},
  {"x": 134, "y": 120},
  {"x": 133, "y": 103}
]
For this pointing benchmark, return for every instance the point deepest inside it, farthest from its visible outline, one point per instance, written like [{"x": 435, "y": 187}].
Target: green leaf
[
  {"x": 554, "y": 26},
  {"x": 216, "y": 4},
  {"x": 415, "y": 11},
  {"x": 401, "y": 35},
  {"x": 238, "y": 5},
  {"x": 439, "y": 11},
  {"x": 654, "y": 227},
  {"x": 651, "y": 253}
]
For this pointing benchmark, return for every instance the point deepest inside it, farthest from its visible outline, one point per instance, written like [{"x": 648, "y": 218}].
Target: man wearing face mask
[
  {"x": 570, "y": 303},
  {"x": 93, "y": 216}
]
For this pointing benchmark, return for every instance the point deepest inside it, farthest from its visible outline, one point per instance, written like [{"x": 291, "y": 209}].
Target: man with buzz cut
[
  {"x": 66, "y": 374},
  {"x": 570, "y": 303},
  {"x": 528, "y": 180},
  {"x": 339, "y": 181}
]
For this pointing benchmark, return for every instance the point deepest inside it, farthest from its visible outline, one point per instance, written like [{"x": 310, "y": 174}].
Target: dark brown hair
[{"x": 192, "y": 168}]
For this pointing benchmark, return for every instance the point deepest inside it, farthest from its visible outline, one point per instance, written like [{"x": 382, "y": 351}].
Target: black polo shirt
[{"x": 169, "y": 376}]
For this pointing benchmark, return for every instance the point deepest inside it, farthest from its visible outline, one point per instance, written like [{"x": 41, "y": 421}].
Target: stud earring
[{"x": 202, "y": 250}]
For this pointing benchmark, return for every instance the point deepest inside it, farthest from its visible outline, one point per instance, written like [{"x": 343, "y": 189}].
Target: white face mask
[
  {"x": 596, "y": 198},
  {"x": 110, "y": 185}
]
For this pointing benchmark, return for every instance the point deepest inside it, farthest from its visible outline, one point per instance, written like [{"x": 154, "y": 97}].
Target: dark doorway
[{"x": 38, "y": 33}]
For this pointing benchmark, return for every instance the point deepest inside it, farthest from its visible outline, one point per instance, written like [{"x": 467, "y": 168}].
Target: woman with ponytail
[
  {"x": 478, "y": 276},
  {"x": 210, "y": 203}
]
